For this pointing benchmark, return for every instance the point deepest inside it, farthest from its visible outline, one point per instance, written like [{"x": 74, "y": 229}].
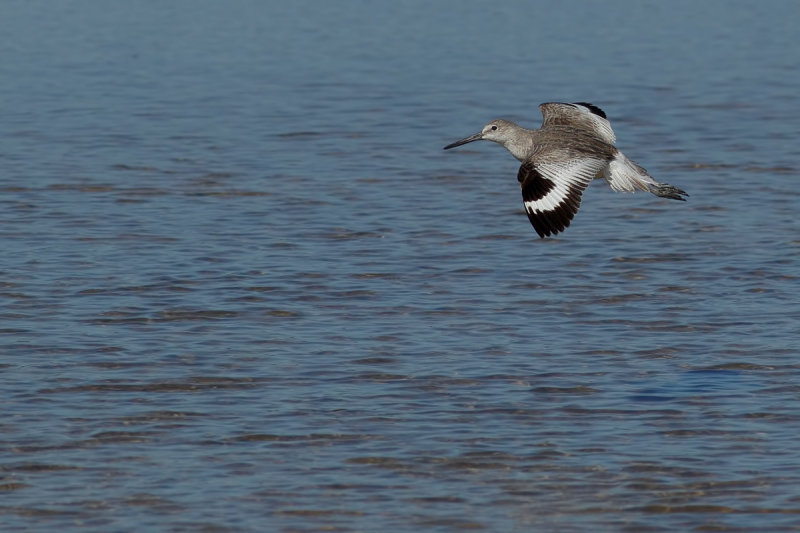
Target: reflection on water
[{"x": 247, "y": 291}]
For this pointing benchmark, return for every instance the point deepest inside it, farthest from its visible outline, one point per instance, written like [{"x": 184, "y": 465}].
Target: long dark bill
[{"x": 476, "y": 137}]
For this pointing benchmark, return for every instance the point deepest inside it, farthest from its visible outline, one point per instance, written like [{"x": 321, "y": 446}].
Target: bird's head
[{"x": 498, "y": 130}]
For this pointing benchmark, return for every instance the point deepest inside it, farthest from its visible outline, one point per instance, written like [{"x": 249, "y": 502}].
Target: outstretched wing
[
  {"x": 581, "y": 115},
  {"x": 551, "y": 192}
]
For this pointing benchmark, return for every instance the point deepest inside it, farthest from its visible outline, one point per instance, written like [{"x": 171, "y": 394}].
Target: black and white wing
[
  {"x": 551, "y": 191},
  {"x": 581, "y": 115}
]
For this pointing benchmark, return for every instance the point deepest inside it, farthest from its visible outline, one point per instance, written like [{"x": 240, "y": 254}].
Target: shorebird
[{"x": 574, "y": 146}]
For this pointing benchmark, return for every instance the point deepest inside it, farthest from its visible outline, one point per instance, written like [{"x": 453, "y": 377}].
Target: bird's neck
[{"x": 521, "y": 145}]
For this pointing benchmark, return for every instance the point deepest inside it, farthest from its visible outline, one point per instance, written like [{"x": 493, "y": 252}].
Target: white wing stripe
[{"x": 551, "y": 200}]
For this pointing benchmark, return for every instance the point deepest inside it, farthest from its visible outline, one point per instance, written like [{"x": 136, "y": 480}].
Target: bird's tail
[{"x": 625, "y": 175}]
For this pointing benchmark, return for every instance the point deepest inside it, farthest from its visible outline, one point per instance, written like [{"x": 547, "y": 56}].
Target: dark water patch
[
  {"x": 454, "y": 463},
  {"x": 142, "y": 192},
  {"x": 603, "y": 352},
  {"x": 734, "y": 365},
  {"x": 115, "y": 365},
  {"x": 470, "y": 270},
  {"x": 783, "y": 418},
  {"x": 377, "y": 275},
  {"x": 347, "y": 234},
  {"x": 705, "y": 432},
  {"x": 446, "y": 312},
  {"x": 378, "y": 377},
  {"x": 367, "y": 487},
  {"x": 497, "y": 237},
  {"x": 491, "y": 455},
  {"x": 655, "y": 258},
  {"x": 664, "y": 352},
  {"x": 11, "y": 331},
  {"x": 215, "y": 177},
  {"x": 8, "y": 487},
  {"x": 651, "y": 396},
  {"x": 702, "y": 166},
  {"x": 158, "y": 417},
  {"x": 38, "y": 512},
  {"x": 81, "y": 187},
  {"x": 384, "y": 462},
  {"x": 578, "y": 389},
  {"x": 209, "y": 526},
  {"x": 153, "y": 502},
  {"x": 664, "y": 469},
  {"x": 707, "y": 228},
  {"x": 155, "y": 287},
  {"x": 660, "y": 325},
  {"x": 315, "y": 438},
  {"x": 677, "y": 288},
  {"x": 265, "y": 288},
  {"x": 374, "y": 361},
  {"x": 454, "y": 523},
  {"x": 684, "y": 509},
  {"x": 775, "y": 169},
  {"x": 593, "y": 412},
  {"x": 355, "y": 294},
  {"x": 130, "y": 237},
  {"x": 168, "y": 315},
  {"x": 300, "y": 134},
  {"x": 437, "y": 499},
  {"x": 710, "y": 208},
  {"x": 319, "y": 513},
  {"x": 113, "y": 438},
  {"x": 108, "y": 349},
  {"x": 622, "y": 298},
  {"x": 231, "y": 193},
  {"x": 282, "y": 313},
  {"x": 36, "y": 467},
  {"x": 196, "y": 384},
  {"x": 137, "y": 168},
  {"x": 781, "y": 389},
  {"x": 712, "y": 509}
]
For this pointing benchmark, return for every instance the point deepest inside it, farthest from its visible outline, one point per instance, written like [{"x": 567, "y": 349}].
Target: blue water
[{"x": 244, "y": 289}]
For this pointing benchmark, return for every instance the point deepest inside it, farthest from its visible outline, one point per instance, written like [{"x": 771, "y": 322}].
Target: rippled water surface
[{"x": 244, "y": 289}]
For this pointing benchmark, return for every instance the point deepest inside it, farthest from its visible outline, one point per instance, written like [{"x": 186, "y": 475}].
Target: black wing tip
[
  {"x": 547, "y": 227},
  {"x": 545, "y": 232},
  {"x": 547, "y": 223},
  {"x": 665, "y": 190},
  {"x": 593, "y": 108}
]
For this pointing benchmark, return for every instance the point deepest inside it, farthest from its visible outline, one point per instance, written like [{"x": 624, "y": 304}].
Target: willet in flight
[{"x": 574, "y": 146}]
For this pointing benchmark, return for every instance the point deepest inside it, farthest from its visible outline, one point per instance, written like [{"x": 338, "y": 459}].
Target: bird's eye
[{"x": 494, "y": 128}]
